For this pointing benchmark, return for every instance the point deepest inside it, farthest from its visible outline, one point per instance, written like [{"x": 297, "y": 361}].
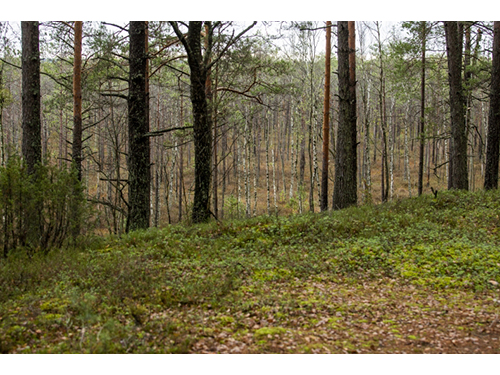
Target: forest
[{"x": 249, "y": 187}]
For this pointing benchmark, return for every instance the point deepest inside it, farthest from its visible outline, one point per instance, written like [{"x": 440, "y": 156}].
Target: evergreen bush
[{"x": 41, "y": 211}]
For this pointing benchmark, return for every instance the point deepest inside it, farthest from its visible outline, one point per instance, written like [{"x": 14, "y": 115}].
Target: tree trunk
[
  {"x": 139, "y": 150},
  {"x": 77, "y": 125},
  {"x": 345, "y": 189},
  {"x": 268, "y": 190},
  {"x": 326, "y": 120},
  {"x": 181, "y": 162},
  {"x": 492, "y": 150},
  {"x": 383, "y": 122},
  {"x": 293, "y": 164},
  {"x": 458, "y": 176},
  {"x": 77, "y": 100},
  {"x": 32, "y": 139},
  {"x": 2, "y": 103},
  {"x": 202, "y": 125},
  {"x": 216, "y": 168},
  {"x": 407, "y": 170},
  {"x": 422, "y": 113}
]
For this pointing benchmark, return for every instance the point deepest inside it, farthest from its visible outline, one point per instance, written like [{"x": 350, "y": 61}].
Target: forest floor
[{"x": 419, "y": 275}]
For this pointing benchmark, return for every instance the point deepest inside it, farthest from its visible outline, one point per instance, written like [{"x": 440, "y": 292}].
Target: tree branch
[
  {"x": 229, "y": 44},
  {"x": 208, "y": 51},
  {"x": 118, "y": 78},
  {"x": 177, "y": 70},
  {"x": 117, "y": 54},
  {"x": 181, "y": 37},
  {"x": 66, "y": 86},
  {"x": 112, "y": 24},
  {"x": 95, "y": 123},
  {"x": 165, "y": 64},
  {"x": 116, "y": 95},
  {"x": 112, "y": 62},
  {"x": 175, "y": 41},
  {"x": 244, "y": 93},
  {"x": 109, "y": 204},
  {"x": 9, "y": 63},
  {"x": 156, "y": 133}
]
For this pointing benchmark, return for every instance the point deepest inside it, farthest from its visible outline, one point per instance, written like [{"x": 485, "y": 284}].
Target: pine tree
[
  {"x": 326, "y": 121},
  {"x": 138, "y": 124},
  {"x": 345, "y": 189},
  {"x": 32, "y": 139},
  {"x": 491, "y": 173},
  {"x": 458, "y": 176}
]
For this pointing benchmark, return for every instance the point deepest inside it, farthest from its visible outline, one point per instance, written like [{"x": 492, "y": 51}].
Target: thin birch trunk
[
  {"x": 274, "y": 184},
  {"x": 268, "y": 198},
  {"x": 292, "y": 155},
  {"x": 407, "y": 171},
  {"x": 246, "y": 167}
]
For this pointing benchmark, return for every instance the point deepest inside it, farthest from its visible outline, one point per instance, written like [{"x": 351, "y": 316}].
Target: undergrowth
[{"x": 119, "y": 294}]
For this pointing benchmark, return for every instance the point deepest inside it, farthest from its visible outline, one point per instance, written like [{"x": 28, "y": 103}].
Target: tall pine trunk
[
  {"x": 77, "y": 125},
  {"x": 492, "y": 151},
  {"x": 77, "y": 100},
  {"x": 422, "y": 113},
  {"x": 139, "y": 150},
  {"x": 32, "y": 138},
  {"x": 326, "y": 121},
  {"x": 458, "y": 176},
  {"x": 345, "y": 189},
  {"x": 202, "y": 125}
]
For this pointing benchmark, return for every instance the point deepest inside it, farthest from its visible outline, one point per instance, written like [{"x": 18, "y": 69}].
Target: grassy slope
[{"x": 419, "y": 275}]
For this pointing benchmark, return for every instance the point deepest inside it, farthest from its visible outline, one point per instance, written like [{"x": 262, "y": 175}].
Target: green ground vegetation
[{"x": 416, "y": 275}]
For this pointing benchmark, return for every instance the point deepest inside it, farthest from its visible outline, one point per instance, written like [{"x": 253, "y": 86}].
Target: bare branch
[
  {"x": 162, "y": 131},
  {"x": 181, "y": 37},
  {"x": 122, "y": 56},
  {"x": 109, "y": 204},
  {"x": 244, "y": 93},
  {"x": 177, "y": 70},
  {"x": 9, "y": 63},
  {"x": 174, "y": 42},
  {"x": 112, "y": 24},
  {"x": 118, "y": 78},
  {"x": 165, "y": 64},
  {"x": 116, "y": 95},
  {"x": 96, "y": 123}
]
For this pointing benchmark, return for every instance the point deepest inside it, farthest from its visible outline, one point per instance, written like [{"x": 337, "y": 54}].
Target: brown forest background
[{"x": 267, "y": 112}]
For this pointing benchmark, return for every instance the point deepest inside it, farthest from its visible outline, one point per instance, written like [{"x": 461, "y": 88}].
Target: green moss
[
  {"x": 225, "y": 320},
  {"x": 264, "y": 331},
  {"x": 55, "y": 305}
]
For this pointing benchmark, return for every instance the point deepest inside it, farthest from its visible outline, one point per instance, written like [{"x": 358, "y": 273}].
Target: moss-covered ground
[{"x": 419, "y": 275}]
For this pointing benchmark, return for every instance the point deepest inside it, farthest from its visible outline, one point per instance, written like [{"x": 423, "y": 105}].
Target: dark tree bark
[
  {"x": 77, "y": 100},
  {"x": 458, "y": 174},
  {"x": 422, "y": 112},
  {"x": 32, "y": 140},
  {"x": 345, "y": 189},
  {"x": 212, "y": 114},
  {"x": 199, "y": 66},
  {"x": 77, "y": 126},
  {"x": 202, "y": 126},
  {"x": 492, "y": 150},
  {"x": 353, "y": 106},
  {"x": 138, "y": 123},
  {"x": 326, "y": 120},
  {"x": 2, "y": 103}
]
